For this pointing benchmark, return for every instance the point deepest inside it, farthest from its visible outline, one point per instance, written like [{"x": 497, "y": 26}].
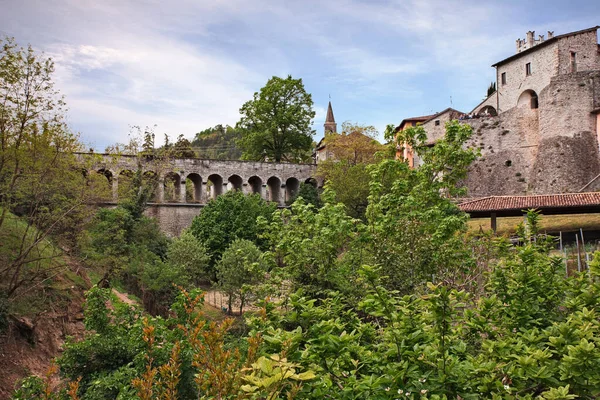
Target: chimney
[
  {"x": 550, "y": 34},
  {"x": 530, "y": 36},
  {"x": 541, "y": 38},
  {"x": 518, "y": 43}
]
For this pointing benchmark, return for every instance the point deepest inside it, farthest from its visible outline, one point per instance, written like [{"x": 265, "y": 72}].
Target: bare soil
[{"x": 32, "y": 342}]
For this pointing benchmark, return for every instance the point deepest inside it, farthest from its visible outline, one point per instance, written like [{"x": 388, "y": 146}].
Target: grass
[
  {"x": 52, "y": 280},
  {"x": 548, "y": 223}
]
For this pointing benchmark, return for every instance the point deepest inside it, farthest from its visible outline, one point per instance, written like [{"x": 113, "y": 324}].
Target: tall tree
[
  {"x": 276, "y": 123},
  {"x": 41, "y": 181}
]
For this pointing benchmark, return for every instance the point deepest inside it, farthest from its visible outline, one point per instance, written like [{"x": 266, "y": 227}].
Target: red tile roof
[{"x": 500, "y": 203}]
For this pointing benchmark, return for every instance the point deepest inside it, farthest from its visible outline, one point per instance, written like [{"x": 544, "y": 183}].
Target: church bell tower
[{"x": 330, "y": 125}]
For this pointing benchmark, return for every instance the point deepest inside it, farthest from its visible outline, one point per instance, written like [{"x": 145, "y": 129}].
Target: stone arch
[
  {"x": 311, "y": 181},
  {"x": 274, "y": 187},
  {"x": 107, "y": 173},
  {"x": 255, "y": 184},
  {"x": 488, "y": 110},
  {"x": 172, "y": 187},
  {"x": 125, "y": 182},
  {"x": 528, "y": 98},
  {"x": 291, "y": 188},
  {"x": 193, "y": 188},
  {"x": 103, "y": 179},
  {"x": 235, "y": 182},
  {"x": 216, "y": 185},
  {"x": 150, "y": 178}
]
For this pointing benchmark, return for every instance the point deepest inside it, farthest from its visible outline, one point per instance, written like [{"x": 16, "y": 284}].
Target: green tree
[
  {"x": 228, "y": 217},
  {"x": 41, "y": 181},
  {"x": 346, "y": 173},
  {"x": 218, "y": 143},
  {"x": 428, "y": 246},
  {"x": 491, "y": 89},
  {"x": 276, "y": 123},
  {"x": 238, "y": 270},
  {"x": 189, "y": 255}
]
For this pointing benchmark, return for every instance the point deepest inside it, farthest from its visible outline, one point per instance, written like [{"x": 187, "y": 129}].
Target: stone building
[{"x": 538, "y": 133}]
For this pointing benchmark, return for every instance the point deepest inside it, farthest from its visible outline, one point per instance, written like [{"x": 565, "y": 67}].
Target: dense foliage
[
  {"x": 346, "y": 171},
  {"x": 218, "y": 143},
  {"x": 228, "y": 217},
  {"x": 276, "y": 123},
  {"x": 41, "y": 180}
]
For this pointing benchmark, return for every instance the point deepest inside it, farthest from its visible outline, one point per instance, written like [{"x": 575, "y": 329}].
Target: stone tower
[{"x": 330, "y": 125}]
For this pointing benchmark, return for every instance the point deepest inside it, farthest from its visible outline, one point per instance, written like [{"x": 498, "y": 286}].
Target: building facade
[{"x": 538, "y": 133}]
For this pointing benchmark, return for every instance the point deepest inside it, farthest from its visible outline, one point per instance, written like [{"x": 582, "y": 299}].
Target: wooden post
[
  {"x": 578, "y": 255},
  {"x": 584, "y": 251},
  {"x": 493, "y": 221}
]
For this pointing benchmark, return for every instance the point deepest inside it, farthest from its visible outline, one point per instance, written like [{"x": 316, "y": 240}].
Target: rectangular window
[
  {"x": 504, "y": 78},
  {"x": 414, "y": 124},
  {"x": 437, "y": 122},
  {"x": 528, "y": 69},
  {"x": 573, "y": 61}
]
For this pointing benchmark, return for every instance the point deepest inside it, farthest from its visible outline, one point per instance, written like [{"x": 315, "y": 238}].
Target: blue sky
[{"x": 186, "y": 65}]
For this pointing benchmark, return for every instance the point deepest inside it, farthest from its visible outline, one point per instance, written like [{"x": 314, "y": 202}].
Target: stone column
[
  {"x": 263, "y": 192},
  {"x": 205, "y": 193},
  {"x": 115, "y": 189},
  {"x": 182, "y": 192},
  {"x": 161, "y": 189}
]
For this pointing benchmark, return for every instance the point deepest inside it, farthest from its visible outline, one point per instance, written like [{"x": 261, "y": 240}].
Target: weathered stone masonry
[{"x": 275, "y": 182}]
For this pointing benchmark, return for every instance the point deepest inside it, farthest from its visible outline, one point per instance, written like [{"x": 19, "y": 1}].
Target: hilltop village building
[{"x": 539, "y": 132}]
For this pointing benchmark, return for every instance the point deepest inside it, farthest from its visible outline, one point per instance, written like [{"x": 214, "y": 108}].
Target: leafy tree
[
  {"x": 346, "y": 173},
  {"x": 218, "y": 143},
  {"x": 312, "y": 246},
  {"x": 355, "y": 144},
  {"x": 41, "y": 180},
  {"x": 428, "y": 245},
  {"x": 189, "y": 255},
  {"x": 228, "y": 217},
  {"x": 182, "y": 148},
  {"x": 240, "y": 268},
  {"x": 276, "y": 123}
]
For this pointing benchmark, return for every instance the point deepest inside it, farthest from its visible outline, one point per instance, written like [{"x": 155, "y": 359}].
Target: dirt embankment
[{"x": 31, "y": 343}]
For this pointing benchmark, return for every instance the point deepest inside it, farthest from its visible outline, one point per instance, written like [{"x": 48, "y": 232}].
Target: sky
[{"x": 187, "y": 65}]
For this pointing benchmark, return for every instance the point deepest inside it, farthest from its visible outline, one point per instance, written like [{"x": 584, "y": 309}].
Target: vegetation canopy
[{"x": 276, "y": 123}]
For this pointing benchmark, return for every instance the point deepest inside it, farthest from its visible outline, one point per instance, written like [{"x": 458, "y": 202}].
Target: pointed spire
[{"x": 330, "y": 125}]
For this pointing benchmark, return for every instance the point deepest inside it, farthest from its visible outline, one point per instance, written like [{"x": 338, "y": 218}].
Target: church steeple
[{"x": 330, "y": 125}]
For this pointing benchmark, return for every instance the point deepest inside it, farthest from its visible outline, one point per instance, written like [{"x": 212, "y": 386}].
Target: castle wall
[
  {"x": 585, "y": 45},
  {"x": 552, "y": 149},
  {"x": 544, "y": 65}
]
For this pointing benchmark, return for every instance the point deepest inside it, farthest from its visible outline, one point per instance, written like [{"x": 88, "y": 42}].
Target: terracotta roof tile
[{"x": 500, "y": 203}]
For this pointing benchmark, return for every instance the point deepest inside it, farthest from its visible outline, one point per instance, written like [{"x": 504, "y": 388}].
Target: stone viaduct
[{"x": 184, "y": 186}]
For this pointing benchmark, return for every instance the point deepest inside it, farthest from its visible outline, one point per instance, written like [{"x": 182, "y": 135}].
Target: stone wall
[
  {"x": 173, "y": 218},
  {"x": 544, "y": 65},
  {"x": 585, "y": 45},
  {"x": 553, "y": 149}
]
